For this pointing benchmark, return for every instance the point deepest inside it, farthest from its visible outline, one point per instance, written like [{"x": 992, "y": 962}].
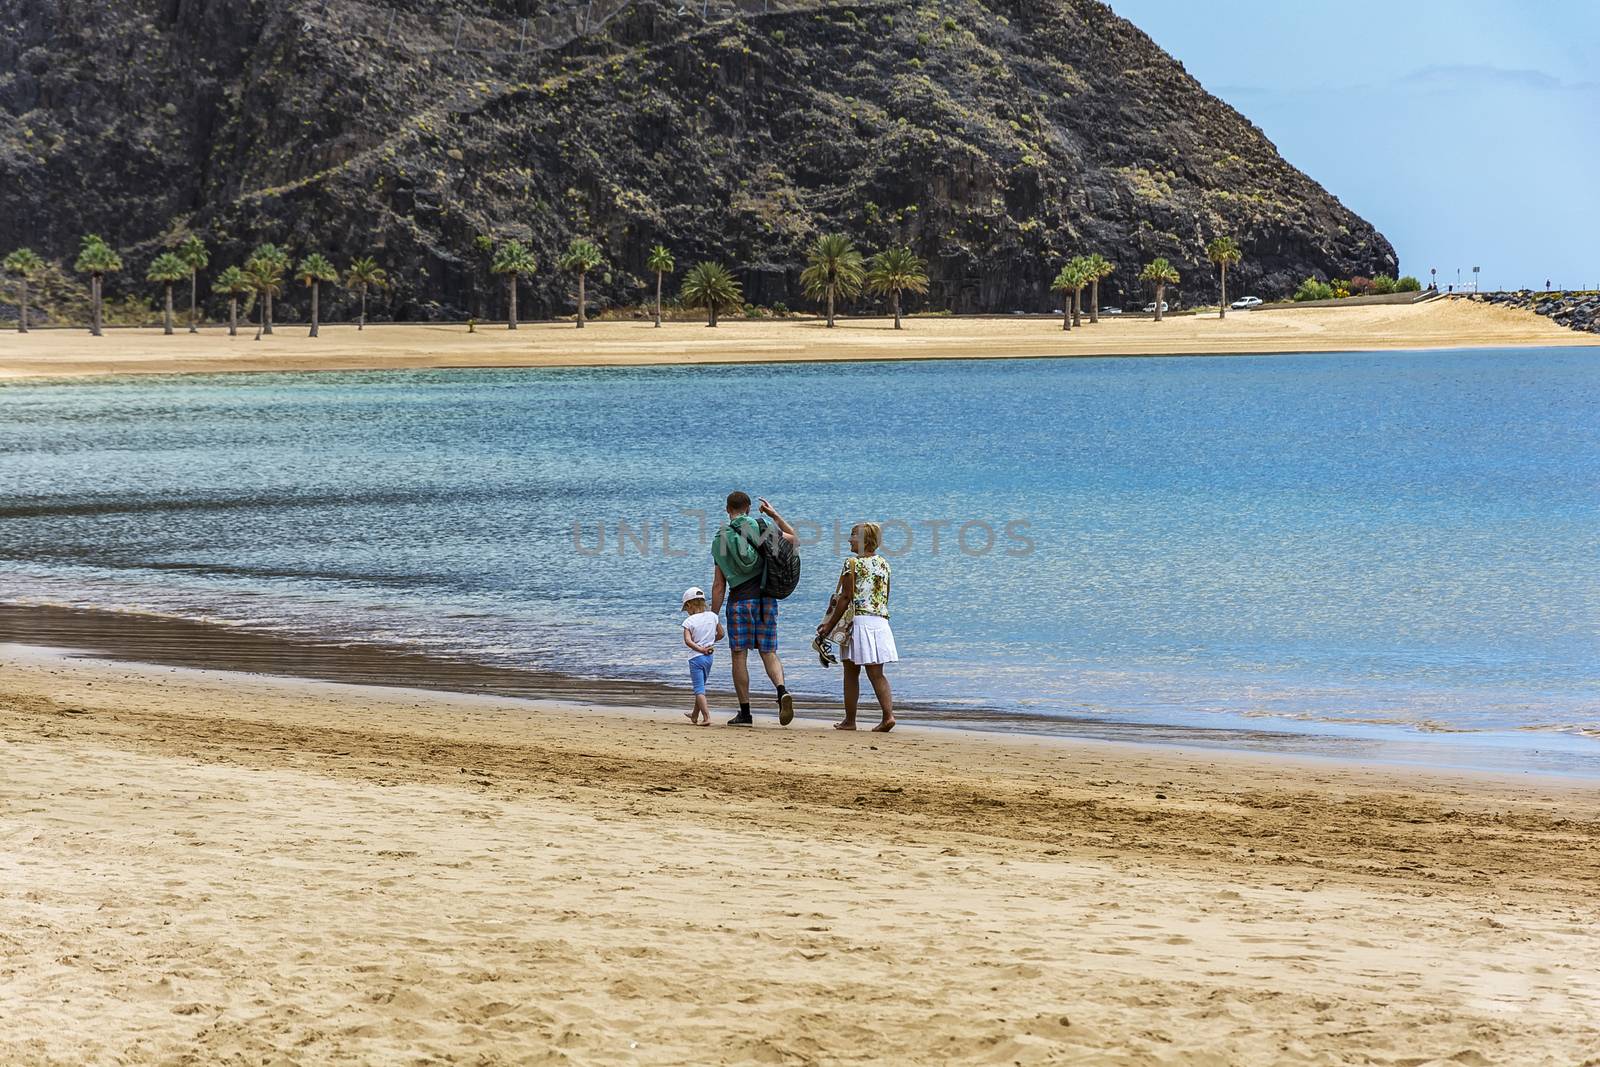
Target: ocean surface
[{"x": 1398, "y": 552}]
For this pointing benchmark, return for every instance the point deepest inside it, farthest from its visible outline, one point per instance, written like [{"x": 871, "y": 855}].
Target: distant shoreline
[{"x": 63, "y": 353}]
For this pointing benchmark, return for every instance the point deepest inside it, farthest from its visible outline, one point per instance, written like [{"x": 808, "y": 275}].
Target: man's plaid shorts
[{"x": 753, "y": 624}]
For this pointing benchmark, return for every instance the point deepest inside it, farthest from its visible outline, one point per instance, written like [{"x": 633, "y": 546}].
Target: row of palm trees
[
  {"x": 835, "y": 270},
  {"x": 262, "y": 276},
  {"x": 1082, "y": 272}
]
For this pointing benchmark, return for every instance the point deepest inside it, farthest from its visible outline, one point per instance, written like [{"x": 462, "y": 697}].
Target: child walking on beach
[{"x": 701, "y": 632}]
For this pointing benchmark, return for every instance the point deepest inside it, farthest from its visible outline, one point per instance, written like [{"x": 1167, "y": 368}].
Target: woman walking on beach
[{"x": 864, "y": 591}]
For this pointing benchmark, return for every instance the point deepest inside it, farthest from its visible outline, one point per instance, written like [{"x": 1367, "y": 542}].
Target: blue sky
[{"x": 1467, "y": 132}]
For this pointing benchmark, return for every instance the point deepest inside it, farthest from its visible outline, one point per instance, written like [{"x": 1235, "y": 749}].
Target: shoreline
[
  {"x": 65, "y": 353},
  {"x": 630, "y": 706},
  {"x": 227, "y": 866},
  {"x": 135, "y": 639}
]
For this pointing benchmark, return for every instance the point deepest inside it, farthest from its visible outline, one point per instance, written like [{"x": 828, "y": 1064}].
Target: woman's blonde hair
[{"x": 871, "y": 536}]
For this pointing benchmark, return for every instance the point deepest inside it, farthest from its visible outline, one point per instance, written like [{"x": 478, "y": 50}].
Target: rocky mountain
[{"x": 997, "y": 138}]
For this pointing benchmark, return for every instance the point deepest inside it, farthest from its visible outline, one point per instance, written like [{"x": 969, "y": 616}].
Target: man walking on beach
[{"x": 752, "y": 618}]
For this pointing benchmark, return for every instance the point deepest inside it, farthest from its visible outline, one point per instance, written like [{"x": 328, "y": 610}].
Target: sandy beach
[
  {"x": 1438, "y": 324},
  {"x": 206, "y": 867}
]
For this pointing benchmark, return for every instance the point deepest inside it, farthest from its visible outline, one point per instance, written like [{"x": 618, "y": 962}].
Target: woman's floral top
[{"x": 871, "y": 575}]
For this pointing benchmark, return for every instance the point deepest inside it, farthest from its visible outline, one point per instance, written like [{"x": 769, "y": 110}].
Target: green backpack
[{"x": 780, "y": 561}]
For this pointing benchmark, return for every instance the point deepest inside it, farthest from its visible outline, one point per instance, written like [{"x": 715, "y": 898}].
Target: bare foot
[
  {"x": 704, "y": 722},
  {"x": 885, "y": 726},
  {"x": 846, "y": 725},
  {"x": 693, "y": 717}
]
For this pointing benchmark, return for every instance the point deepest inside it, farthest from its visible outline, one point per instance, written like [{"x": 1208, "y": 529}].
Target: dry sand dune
[
  {"x": 1439, "y": 324},
  {"x": 205, "y": 868}
]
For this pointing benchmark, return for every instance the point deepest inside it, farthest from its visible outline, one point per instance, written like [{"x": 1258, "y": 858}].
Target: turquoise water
[{"x": 1393, "y": 546}]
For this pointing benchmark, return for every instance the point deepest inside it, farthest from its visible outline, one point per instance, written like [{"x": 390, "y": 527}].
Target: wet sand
[
  {"x": 180, "y": 642},
  {"x": 1438, "y": 324},
  {"x": 210, "y": 867}
]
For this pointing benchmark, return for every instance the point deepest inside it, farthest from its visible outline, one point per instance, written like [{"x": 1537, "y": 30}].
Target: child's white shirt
[{"x": 702, "y": 629}]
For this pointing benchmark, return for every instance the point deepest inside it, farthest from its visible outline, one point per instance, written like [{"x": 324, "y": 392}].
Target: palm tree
[
  {"x": 234, "y": 282},
  {"x": 265, "y": 274},
  {"x": 1085, "y": 279},
  {"x": 1083, "y": 273},
  {"x": 709, "y": 285},
  {"x": 361, "y": 275},
  {"x": 582, "y": 256},
  {"x": 514, "y": 261},
  {"x": 311, "y": 273},
  {"x": 833, "y": 269},
  {"x": 1224, "y": 253},
  {"x": 1099, "y": 267},
  {"x": 1161, "y": 274},
  {"x": 97, "y": 259},
  {"x": 897, "y": 270},
  {"x": 24, "y": 263},
  {"x": 661, "y": 262},
  {"x": 1069, "y": 282},
  {"x": 268, "y": 261},
  {"x": 167, "y": 268},
  {"x": 193, "y": 252}
]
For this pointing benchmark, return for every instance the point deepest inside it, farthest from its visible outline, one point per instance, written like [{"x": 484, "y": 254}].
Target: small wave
[
  {"x": 135, "y": 612},
  {"x": 1577, "y": 729},
  {"x": 146, "y": 505}
]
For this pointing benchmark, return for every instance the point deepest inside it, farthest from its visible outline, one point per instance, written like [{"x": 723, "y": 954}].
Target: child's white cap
[{"x": 694, "y": 592}]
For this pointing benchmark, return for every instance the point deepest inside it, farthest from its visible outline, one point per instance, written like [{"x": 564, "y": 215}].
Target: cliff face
[{"x": 997, "y": 139}]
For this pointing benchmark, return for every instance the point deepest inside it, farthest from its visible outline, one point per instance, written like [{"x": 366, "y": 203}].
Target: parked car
[
  {"x": 1150, "y": 308},
  {"x": 1110, "y": 311},
  {"x": 1245, "y": 303}
]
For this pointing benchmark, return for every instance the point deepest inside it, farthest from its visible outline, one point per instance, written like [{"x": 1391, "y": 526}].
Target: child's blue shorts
[{"x": 699, "y": 671}]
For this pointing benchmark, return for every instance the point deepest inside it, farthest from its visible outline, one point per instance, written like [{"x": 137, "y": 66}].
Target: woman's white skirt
[{"x": 871, "y": 641}]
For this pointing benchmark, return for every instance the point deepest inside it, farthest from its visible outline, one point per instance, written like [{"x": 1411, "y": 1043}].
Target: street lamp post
[
  {"x": 1475, "y": 271},
  {"x": 1435, "y": 272}
]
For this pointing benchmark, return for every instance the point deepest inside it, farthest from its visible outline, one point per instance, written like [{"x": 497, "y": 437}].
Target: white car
[
  {"x": 1245, "y": 303},
  {"x": 1110, "y": 311},
  {"x": 1150, "y": 308}
]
